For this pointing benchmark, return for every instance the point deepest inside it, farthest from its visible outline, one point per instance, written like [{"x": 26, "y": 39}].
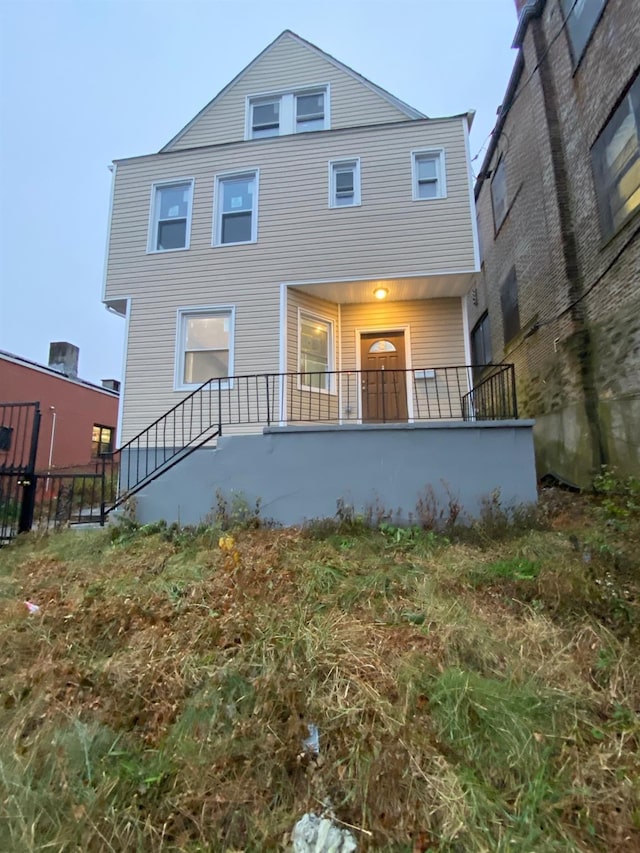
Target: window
[
  {"x": 316, "y": 351},
  {"x": 344, "y": 183},
  {"x": 101, "y": 440},
  {"x": 581, "y": 17},
  {"x": 481, "y": 341},
  {"x": 288, "y": 112},
  {"x": 5, "y": 438},
  {"x": 428, "y": 175},
  {"x": 205, "y": 346},
  {"x": 170, "y": 216},
  {"x": 499, "y": 194},
  {"x": 236, "y": 209},
  {"x": 616, "y": 163},
  {"x": 509, "y": 305}
]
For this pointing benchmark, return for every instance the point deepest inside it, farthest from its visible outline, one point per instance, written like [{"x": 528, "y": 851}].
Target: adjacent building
[
  {"x": 558, "y": 206},
  {"x": 77, "y": 418}
]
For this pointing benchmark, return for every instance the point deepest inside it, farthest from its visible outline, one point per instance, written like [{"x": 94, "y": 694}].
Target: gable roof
[{"x": 408, "y": 110}]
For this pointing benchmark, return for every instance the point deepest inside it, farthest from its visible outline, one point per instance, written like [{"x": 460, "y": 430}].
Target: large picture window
[
  {"x": 315, "y": 352},
  {"x": 616, "y": 163},
  {"x": 205, "y": 346},
  {"x": 170, "y": 216},
  {"x": 236, "y": 209}
]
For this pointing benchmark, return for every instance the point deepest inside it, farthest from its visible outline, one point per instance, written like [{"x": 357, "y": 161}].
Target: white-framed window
[
  {"x": 429, "y": 175},
  {"x": 344, "y": 182},
  {"x": 170, "y": 218},
  {"x": 315, "y": 352},
  {"x": 280, "y": 113},
  {"x": 236, "y": 208},
  {"x": 204, "y": 346}
]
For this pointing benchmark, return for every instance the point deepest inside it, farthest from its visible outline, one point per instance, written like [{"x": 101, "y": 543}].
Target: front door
[{"x": 384, "y": 382}]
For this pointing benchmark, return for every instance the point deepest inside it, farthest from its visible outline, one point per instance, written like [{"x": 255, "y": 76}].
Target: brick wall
[{"x": 577, "y": 356}]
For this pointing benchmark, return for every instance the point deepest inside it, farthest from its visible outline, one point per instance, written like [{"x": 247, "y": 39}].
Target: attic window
[{"x": 279, "y": 114}]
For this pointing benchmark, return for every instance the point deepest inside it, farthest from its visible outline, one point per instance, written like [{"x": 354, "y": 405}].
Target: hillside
[{"x": 477, "y": 690}]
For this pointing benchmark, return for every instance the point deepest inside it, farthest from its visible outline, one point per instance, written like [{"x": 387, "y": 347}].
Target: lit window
[
  {"x": 236, "y": 209},
  {"x": 499, "y": 194},
  {"x": 616, "y": 163},
  {"x": 581, "y": 17},
  {"x": 205, "y": 346},
  {"x": 509, "y": 305},
  {"x": 288, "y": 112},
  {"x": 316, "y": 352},
  {"x": 170, "y": 216},
  {"x": 344, "y": 183},
  {"x": 428, "y": 175},
  {"x": 101, "y": 440}
]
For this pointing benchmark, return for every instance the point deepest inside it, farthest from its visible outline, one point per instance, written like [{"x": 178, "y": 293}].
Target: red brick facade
[
  {"x": 77, "y": 406},
  {"x": 577, "y": 354}
]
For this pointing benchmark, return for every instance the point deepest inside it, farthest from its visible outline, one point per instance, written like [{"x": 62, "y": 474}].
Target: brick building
[
  {"x": 78, "y": 418},
  {"x": 558, "y": 205}
]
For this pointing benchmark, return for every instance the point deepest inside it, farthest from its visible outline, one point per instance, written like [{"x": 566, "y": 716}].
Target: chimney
[
  {"x": 63, "y": 357},
  {"x": 111, "y": 385}
]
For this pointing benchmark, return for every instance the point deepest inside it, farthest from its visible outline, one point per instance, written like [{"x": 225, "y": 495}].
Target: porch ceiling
[{"x": 400, "y": 289}]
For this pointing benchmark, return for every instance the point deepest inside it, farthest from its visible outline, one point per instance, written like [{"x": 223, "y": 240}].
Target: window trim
[
  {"x": 217, "y": 210},
  {"x": 201, "y": 310},
  {"x": 575, "y": 56},
  {"x": 317, "y": 318},
  {"x": 608, "y": 229},
  {"x": 333, "y": 166},
  {"x": 112, "y": 431},
  {"x": 416, "y": 154},
  {"x": 152, "y": 231},
  {"x": 287, "y": 113}
]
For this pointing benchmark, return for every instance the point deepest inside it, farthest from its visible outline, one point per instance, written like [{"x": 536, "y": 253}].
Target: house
[
  {"x": 292, "y": 267},
  {"x": 77, "y": 418},
  {"x": 558, "y": 199}
]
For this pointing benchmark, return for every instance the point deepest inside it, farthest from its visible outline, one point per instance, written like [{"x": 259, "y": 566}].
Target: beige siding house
[{"x": 254, "y": 241}]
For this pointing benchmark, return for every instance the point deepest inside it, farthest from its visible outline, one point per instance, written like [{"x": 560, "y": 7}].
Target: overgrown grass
[{"x": 477, "y": 691}]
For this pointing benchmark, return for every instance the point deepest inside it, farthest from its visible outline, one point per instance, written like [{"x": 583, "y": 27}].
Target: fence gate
[{"x": 19, "y": 430}]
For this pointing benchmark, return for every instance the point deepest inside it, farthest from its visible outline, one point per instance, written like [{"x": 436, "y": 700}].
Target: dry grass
[{"x": 475, "y": 693}]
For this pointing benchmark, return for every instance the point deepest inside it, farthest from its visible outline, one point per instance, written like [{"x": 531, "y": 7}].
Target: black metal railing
[
  {"x": 19, "y": 429},
  {"x": 330, "y": 397}
]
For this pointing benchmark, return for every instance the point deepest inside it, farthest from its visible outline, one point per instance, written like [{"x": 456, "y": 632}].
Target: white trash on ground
[{"x": 313, "y": 834}]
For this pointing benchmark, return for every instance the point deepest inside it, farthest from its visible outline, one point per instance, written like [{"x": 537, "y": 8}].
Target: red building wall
[{"x": 77, "y": 408}]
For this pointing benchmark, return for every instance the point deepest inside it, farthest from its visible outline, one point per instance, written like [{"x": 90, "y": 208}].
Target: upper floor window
[
  {"x": 581, "y": 17},
  {"x": 344, "y": 183},
  {"x": 236, "y": 208},
  {"x": 616, "y": 163},
  {"x": 509, "y": 305},
  {"x": 499, "y": 194},
  {"x": 204, "y": 346},
  {"x": 170, "y": 224},
  {"x": 288, "y": 112},
  {"x": 428, "y": 171}
]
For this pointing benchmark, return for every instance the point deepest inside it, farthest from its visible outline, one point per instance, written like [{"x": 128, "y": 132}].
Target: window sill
[
  {"x": 330, "y": 392},
  {"x": 166, "y": 251},
  {"x": 239, "y": 243},
  {"x": 345, "y": 206},
  {"x": 224, "y": 386},
  {"x": 612, "y": 238},
  {"x": 435, "y": 198}
]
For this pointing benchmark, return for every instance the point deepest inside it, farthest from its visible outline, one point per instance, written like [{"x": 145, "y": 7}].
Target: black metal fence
[
  {"x": 329, "y": 397},
  {"x": 19, "y": 430}
]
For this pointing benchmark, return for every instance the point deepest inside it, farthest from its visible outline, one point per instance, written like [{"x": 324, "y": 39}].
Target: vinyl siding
[
  {"x": 299, "y": 239},
  {"x": 288, "y": 65}
]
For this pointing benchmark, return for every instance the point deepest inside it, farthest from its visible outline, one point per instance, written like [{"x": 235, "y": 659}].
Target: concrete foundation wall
[{"x": 300, "y": 474}]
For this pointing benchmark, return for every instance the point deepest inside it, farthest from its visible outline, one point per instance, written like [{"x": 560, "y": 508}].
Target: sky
[{"x": 85, "y": 82}]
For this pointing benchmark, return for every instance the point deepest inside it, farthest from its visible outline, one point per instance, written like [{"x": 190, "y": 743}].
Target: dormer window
[{"x": 299, "y": 111}]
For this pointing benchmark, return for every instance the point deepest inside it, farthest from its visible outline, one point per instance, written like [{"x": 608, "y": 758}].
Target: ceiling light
[{"x": 381, "y": 293}]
